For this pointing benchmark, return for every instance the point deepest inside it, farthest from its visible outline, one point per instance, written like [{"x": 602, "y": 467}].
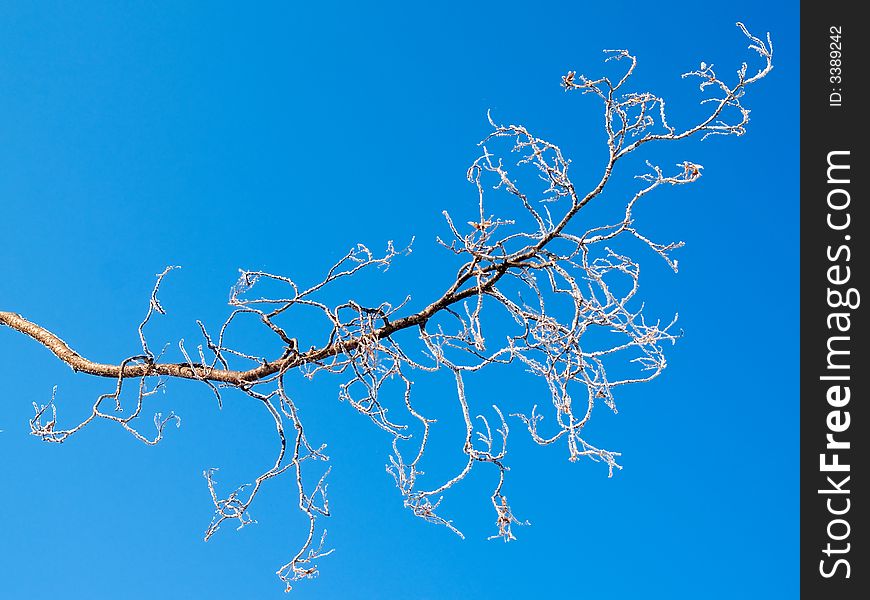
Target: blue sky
[{"x": 218, "y": 138}]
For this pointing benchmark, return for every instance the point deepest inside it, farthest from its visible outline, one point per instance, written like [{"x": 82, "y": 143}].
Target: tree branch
[{"x": 546, "y": 283}]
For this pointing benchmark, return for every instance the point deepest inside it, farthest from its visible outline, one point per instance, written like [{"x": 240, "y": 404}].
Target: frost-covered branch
[{"x": 535, "y": 290}]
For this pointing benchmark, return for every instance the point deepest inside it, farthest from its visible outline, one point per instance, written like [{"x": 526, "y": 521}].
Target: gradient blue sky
[{"x": 215, "y": 137}]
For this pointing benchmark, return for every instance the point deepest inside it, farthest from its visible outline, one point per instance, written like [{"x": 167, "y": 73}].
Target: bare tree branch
[{"x": 534, "y": 289}]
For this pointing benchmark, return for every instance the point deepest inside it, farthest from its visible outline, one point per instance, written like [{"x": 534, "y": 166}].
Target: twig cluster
[{"x": 533, "y": 289}]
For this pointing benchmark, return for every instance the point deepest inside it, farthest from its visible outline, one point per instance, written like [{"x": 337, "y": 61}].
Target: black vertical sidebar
[{"x": 835, "y": 344}]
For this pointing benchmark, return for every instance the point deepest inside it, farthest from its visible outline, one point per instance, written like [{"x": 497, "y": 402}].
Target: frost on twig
[{"x": 534, "y": 288}]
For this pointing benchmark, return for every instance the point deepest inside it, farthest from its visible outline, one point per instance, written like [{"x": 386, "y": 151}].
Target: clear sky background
[{"x": 217, "y": 137}]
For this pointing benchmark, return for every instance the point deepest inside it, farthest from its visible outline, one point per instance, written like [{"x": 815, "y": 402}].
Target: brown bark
[{"x": 81, "y": 364}]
